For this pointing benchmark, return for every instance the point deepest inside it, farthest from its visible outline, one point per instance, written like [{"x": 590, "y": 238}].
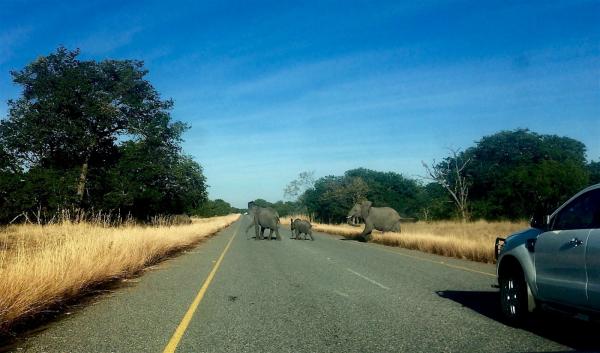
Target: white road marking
[
  {"x": 341, "y": 293},
  {"x": 368, "y": 279}
]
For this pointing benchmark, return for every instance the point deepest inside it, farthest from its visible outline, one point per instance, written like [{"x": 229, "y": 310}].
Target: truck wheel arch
[{"x": 510, "y": 265}]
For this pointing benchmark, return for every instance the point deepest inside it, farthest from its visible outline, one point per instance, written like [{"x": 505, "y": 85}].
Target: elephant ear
[{"x": 365, "y": 209}]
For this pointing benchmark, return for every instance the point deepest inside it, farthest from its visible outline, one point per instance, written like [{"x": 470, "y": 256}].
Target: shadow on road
[
  {"x": 355, "y": 239},
  {"x": 577, "y": 334}
]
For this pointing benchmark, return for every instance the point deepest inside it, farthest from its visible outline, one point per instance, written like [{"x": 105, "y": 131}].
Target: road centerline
[
  {"x": 187, "y": 318},
  {"x": 368, "y": 279}
]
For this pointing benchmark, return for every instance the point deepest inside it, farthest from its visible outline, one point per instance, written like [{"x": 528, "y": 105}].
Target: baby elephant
[{"x": 300, "y": 226}]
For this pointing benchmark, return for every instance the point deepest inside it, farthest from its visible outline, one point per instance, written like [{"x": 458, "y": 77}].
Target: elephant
[
  {"x": 299, "y": 226},
  {"x": 384, "y": 219},
  {"x": 263, "y": 218},
  {"x": 354, "y": 221}
]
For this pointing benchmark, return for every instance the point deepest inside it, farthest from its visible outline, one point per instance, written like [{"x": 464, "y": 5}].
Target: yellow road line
[
  {"x": 183, "y": 325},
  {"x": 431, "y": 261}
]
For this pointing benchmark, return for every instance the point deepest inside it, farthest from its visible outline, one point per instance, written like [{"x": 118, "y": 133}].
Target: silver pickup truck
[{"x": 555, "y": 264}]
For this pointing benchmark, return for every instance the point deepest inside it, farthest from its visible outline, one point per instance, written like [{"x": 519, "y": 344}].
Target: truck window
[{"x": 581, "y": 213}]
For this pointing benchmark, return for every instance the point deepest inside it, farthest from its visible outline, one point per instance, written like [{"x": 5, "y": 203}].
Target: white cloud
[{"x": 108, "y": 40}]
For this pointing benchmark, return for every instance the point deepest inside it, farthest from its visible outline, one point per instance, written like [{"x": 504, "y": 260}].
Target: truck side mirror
[{"x": 540, "y": 221}]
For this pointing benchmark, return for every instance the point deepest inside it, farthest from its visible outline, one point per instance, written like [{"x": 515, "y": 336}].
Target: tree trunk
[
  {"x": 82, "y": 180},
  {"x": 464, "y": 213}
]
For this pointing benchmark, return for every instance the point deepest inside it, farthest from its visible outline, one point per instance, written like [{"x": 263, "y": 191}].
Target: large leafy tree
[
  {"x": 516, "y": 173},
  {"x": 320, "y": 200},
  {"x": 85, "y": 133},
  {"x": 73, "y": 112}
]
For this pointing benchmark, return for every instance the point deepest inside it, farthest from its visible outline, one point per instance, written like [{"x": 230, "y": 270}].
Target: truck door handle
[{"x": 575, "y": 242}]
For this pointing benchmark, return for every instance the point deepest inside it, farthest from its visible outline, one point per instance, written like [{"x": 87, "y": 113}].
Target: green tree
[
  {"x": 332, "y": 196},
  {"x": 262, "y": 203},
  {"x": 389, "y": 189},
  {"x": 73, "y": 112},
  {"x": 149, "y": 179},
  {"x": 90, "y": 134},
  {"x": 217, "y": 207},
  {"x": 435, "y": 203},
  {"x": 327, "y": 201},
  {"x": 594, "y": 170},
  {"x": 516, "y": 173}
]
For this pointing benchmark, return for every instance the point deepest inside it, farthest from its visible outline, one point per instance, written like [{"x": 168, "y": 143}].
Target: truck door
[
  {"x": 592, "y": 259},
  {"x": 560, "y": 253}
]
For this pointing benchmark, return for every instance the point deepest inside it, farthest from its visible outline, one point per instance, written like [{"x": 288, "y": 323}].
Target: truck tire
[{"x": 513, "y": 298}]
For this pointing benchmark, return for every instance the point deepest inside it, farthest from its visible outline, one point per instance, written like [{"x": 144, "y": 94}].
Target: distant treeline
[
  {"x": 509, "y": 175},
  {"x": 218, "y": 207},
  {"x": 88, "y": 135}
]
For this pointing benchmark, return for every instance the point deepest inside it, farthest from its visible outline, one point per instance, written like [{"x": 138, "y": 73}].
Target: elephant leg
[
  {"x": 366, "y": 233},
  {"x": 310, "y": 234},
  {"x": 277, "y": 232},
  {"x": 257, "y": 231}
]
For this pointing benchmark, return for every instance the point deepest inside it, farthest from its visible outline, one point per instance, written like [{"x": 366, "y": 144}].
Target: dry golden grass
[
  {"x": 42, "y": 266},
  {"x": 471, "y": 241}
]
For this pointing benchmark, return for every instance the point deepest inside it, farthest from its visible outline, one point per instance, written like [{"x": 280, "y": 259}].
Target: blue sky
[{"x": 273, "y": 88}]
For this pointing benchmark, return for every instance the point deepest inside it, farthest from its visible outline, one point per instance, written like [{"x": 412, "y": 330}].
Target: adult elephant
[
  {"x": 263, "y": 218},
  {"x": 384, "y": 219}
]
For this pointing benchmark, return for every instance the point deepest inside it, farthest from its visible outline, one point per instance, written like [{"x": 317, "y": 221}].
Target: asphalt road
[{"x": 327, "y": 295}]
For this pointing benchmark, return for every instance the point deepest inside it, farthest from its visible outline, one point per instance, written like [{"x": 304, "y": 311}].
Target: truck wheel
[{"x": 513, "y": 298}]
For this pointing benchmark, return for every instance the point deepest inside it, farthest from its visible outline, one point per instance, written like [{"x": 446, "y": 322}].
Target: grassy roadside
[
  {"x": 472, "y": 241},
  {"x": 43, "y": 266}
]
